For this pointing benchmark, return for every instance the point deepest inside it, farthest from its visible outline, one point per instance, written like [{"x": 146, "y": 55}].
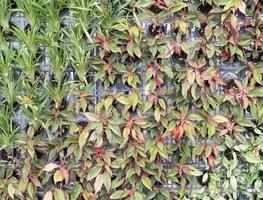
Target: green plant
[
  {"x": 132, "y": 100},
  {"x": 5, "y": 15}
]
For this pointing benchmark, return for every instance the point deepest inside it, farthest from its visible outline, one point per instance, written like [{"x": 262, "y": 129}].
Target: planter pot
[{"x": 18, "y": 19}]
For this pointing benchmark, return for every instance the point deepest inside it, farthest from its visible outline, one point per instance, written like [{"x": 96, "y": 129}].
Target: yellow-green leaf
[
  {"x": 147, "y": 182},
  {"x": 83, "y": 137},
  {"x": 59, "y": 194},
  {"x": 157, "y": 114},
  {"x": 92, "y": 117},
  {"x": 58, "y": 176},
  {"x": 120, "y": 194},
  {"x": 219, "y": 119},
  {"x": 11, "y": 190}
]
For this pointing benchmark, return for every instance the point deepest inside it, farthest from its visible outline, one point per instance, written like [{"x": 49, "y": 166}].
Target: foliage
[{"x": 127, "y": 99}]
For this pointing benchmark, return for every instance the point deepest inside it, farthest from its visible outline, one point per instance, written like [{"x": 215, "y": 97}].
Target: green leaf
[
  {"x": 219, "y": 119},
  {"x": 59, "y": 195},
  {"x": 123, "y": 100},
  {"x": 134, "y": 30},
  {"x": 195, "y": 117},
  {"x": 22, "y": 185},
  {"x": 194, "y": 172},
  {"x": 58, "y": 177},
  {"x": 211, "y": 130},
  {"x": 167, "y": 70},
  {"x": 157, "y": 114},
  {"x": 119, "y": 194},
  {"x": 130, "y": 48},
  {"x": 246, "y": 123},
  {"x": 31, "y": 189},
  {"x": 76, "y": 192},
  {"x": 251, "y": 158},
  {"x": 83, "y": 137},
  {"x": 178, "y": 6},
  {"x": 233, "y": 182},
  {"x": 257, "y": 92},
  {"x": 11, "y": 190},
  {"x": 147, "y": 182},
  {"x": 165, "y": 193},
  {"x": 143, "y": 3},
  {"x": 115, "y": 129},
  {"x": 137, "y": 51},
  {"x": 185, "y": 87},
  {"x": 205, "y": 177},
  {"x": 138, "y": 196},
  {"x": 92, "y": 117},
  {"x": 258, "y": 131},
  {"x": 106, "y": 180},
  {"x": 257, "y": 75},
  {"x": 191, "y": 77},
  {"x": 93, "y": 172},
  {"x": 162, "y": 104}
]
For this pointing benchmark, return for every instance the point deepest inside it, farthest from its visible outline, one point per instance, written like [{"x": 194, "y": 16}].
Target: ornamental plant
[{"x": 133, "y": 100}]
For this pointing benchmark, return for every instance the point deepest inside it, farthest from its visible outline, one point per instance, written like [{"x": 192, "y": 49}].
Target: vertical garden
[{"x": 131, "y": 99}]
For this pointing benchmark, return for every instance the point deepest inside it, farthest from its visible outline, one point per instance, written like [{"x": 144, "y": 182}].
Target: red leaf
[
  {"x": 65, "y": 173},
  {"x": 178, "y": 132},
  {"x": 211, "y": 160}
]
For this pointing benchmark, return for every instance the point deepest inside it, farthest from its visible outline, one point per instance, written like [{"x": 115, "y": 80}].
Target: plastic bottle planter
[
  {"x": 71, "y": 76},
  {"x": 117, "y": 87},
  {"x": 21, "y": 120},
  {"x": 45, "y": 69},
  {"x": 152, "y": 29},
  {"x": 228, "y": 73},
  {"x": 96, "y": 50},
  {"x": 194, "y": 33},
  {"x": 13, "y": 43},
  {"x": 67, "y": 18},
  {"x": 44, "y": 62},
  {"x": 172, "y": 141},
  {"x": 90, "y": 77},
  {"x": 18, "y": 19}
]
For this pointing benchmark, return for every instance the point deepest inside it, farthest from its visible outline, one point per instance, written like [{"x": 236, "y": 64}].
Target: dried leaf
[
  {"x": 49, "y": 167},
  {"x": 48, "y": 196}
]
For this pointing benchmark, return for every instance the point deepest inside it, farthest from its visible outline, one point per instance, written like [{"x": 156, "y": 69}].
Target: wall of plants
[{"x": 131, "y": 99}]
